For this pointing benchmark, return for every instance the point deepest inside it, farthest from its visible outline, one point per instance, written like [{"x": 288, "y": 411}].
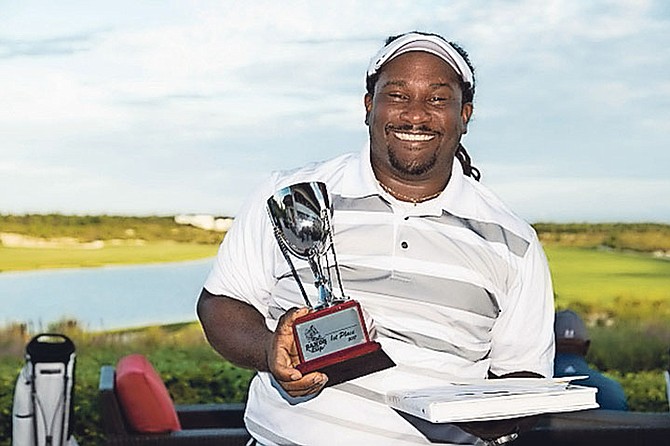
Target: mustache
[{"x": 410, "y": 128}]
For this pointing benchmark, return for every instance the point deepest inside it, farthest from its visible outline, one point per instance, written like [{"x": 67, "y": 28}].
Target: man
[
  {"x": 452, "y": 283},
  {"x": 572, "y": 344}
]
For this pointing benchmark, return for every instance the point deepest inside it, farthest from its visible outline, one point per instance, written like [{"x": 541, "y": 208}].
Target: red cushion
[{"x": 144, "y": 399}]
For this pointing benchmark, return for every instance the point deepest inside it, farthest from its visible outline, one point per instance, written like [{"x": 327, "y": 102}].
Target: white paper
[
  {"x": 492, "y": 399},
  {"x": 441, "y": 399}
]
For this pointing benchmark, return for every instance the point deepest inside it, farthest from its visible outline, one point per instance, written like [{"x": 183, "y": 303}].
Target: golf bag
[{"x": 43, "y": 400}]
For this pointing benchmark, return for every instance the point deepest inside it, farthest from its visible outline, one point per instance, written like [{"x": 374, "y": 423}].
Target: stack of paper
[{"x": 493, "y": 399}]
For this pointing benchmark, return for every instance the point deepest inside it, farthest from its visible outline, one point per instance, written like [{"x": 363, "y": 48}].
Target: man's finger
[
  {"x": 285, "y": 324},
  {"x": 286, "y": 373},
  {"x": 309, "y": 384}
]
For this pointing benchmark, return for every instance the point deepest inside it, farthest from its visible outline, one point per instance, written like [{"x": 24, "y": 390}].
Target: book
[{"x": 493, "y": 399}]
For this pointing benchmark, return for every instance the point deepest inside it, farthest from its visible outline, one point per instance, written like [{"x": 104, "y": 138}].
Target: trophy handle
[{"x": 284, "y": 251}]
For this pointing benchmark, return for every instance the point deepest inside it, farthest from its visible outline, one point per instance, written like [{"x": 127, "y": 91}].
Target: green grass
[
  {"x": 622, "y": 284},
  {"x": 18, "y": 259}
]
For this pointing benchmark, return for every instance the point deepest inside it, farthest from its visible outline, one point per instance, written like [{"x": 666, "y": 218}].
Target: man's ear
[
  {"x": 367, "y": 100},
  {"x": 466, "y": 114}
]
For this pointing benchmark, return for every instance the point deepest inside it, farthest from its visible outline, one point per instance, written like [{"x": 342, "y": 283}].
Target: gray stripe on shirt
[
  {"x": 440, "y": 345},
  {"x": 252, "y": 426},
  {"x": 419, "y": 287},
  {"x": 491, "y": 232},
  {"x": 373, "y": 203}
]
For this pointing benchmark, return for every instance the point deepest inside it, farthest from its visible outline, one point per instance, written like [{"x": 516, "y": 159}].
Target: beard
[{"x": 413, "y": 167}]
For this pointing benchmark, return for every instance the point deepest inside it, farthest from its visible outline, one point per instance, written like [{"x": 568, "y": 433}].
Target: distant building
[{"x": 203, "y": 221}]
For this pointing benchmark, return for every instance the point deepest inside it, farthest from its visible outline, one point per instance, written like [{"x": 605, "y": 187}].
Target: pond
[{"x": 104, "y": 298}]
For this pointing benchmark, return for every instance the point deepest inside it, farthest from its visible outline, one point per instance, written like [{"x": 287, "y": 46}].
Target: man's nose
[{"x": 415, "y": 113}]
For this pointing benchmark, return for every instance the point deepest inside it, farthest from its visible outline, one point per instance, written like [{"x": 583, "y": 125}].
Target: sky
[{"x": 173, "y": 107}]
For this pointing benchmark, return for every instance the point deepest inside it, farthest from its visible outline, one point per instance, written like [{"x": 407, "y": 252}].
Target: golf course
[{"x": 617, "y": 276}]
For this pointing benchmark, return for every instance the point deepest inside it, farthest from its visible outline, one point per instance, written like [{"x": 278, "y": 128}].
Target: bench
[{"x": 202, "y": 424}]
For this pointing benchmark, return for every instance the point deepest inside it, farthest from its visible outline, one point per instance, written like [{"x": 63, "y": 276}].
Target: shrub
[
  {"x": 645, "y": 391},
  {"x": 9, "y": 370},
  {"x": 630, "y": 346}
]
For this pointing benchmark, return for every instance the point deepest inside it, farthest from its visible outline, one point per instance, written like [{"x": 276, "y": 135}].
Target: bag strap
[{"x": 50, "y": 347}]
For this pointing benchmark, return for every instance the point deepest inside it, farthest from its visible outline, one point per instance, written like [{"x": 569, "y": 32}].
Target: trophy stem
[
  {"x": 325, "y": 297},
  {"x": 322, "y": 285}
]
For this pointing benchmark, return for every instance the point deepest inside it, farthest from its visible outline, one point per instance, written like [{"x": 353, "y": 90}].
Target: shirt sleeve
[
  {"x": 523, "y": 335},
  {"x": 243, "y": 268}
]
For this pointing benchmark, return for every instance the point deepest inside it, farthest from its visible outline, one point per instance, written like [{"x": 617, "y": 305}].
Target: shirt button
[{"x": 404, "y": 245}]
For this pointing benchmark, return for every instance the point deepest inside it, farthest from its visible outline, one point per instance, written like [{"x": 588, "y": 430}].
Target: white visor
[{"x": 421, "y": 42}]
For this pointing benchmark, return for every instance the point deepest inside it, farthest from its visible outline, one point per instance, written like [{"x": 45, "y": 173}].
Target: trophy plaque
[{"x": 333, "y": 337}]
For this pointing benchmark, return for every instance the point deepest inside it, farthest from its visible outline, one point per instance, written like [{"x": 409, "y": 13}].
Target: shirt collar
[
  {"x": 359, "y": 180},
  {"x": 458, "y": 198}
]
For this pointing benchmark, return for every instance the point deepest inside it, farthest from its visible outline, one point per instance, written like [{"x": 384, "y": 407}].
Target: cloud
[
  {"x": 55, "y": 46},
  {"x": 9, "y": 168},
  {"x": 131, "y": 98}
]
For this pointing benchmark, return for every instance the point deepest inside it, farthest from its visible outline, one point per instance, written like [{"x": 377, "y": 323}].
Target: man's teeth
[{"x": 413, "y": 136}]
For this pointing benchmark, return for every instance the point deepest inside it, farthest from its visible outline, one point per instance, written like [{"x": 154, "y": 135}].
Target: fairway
[
  {"x": 19, "y": 259},
  {"x": 620, "y": 282}
]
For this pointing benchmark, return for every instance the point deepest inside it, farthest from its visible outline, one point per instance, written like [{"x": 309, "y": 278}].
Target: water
[{"x": 104, "y": 298}]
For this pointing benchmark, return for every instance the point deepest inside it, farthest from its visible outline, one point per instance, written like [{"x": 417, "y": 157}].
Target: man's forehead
[{"x": 403, "y": 83}]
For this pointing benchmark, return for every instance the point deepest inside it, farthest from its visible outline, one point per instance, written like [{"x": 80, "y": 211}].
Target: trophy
[{"x": 332, "y": 338}]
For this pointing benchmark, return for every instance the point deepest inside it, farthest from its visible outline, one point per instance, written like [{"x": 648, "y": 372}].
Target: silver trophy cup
[
  {"x": 333, "y": 337},
  {"x": 300, "y": 216}
]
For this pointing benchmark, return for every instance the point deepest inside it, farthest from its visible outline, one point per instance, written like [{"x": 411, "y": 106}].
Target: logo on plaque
[{"x": 316, "y": 342}]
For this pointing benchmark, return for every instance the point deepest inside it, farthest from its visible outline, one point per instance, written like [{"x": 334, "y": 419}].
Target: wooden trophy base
[{"x": 353, "y": 362}]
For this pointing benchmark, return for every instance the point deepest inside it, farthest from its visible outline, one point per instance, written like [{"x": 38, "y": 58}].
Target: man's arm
[{"x": 238, "y": 332}]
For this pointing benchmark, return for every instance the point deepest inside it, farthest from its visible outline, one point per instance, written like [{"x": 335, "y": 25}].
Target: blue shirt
[{"x": 610, "y": 393}]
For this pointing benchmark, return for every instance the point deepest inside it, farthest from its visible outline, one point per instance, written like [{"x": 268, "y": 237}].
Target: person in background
[{"x": 572, "y": 344}]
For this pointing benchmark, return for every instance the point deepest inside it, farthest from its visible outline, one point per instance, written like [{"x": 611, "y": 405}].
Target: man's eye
[
  {"x": 397, "y": 96},
  {"x": 441, "y": 101}
]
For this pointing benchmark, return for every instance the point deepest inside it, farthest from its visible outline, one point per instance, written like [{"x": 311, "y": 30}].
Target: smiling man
[
  {"x": 416, "y": 116},
  {"x": 452, "y": 283}
]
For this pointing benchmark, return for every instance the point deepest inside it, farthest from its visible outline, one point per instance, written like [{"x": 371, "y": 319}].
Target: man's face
[{"x": 416, "y": 118}]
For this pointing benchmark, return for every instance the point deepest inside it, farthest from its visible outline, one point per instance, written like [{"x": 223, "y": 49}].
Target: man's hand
[
  {"x": 238, "y": 332},
  {"x": 282, "y": 357}
]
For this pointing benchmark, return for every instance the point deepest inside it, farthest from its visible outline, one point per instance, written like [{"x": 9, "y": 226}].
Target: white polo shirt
[{"x": 455, "y": 286}]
